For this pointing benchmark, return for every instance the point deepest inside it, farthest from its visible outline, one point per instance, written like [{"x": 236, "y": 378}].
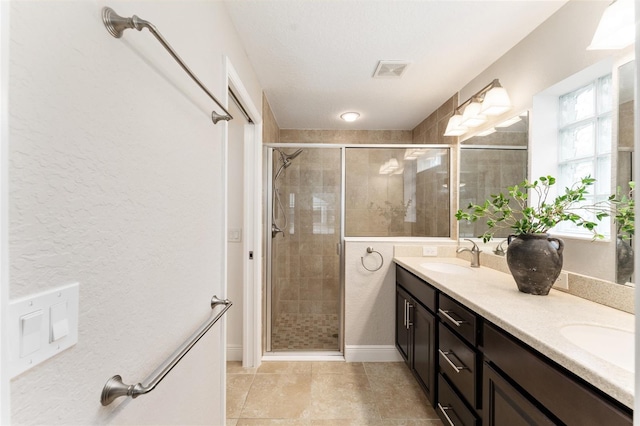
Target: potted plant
[
  {"x": 534, "y": 258},
  {"x": 622, "y": 208}
]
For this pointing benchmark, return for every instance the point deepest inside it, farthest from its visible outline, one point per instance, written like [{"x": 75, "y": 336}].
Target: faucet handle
[{"x": 499, "y": 250}]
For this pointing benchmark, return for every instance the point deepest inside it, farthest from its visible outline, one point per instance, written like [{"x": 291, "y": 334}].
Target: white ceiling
[{"x": 315, "y": 58}]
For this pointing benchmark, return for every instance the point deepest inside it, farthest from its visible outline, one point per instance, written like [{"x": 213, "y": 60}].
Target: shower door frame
[{"x": 268, "y": 202}]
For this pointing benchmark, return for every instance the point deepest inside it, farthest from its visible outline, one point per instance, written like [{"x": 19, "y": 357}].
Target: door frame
[
  {"x": 4, "y": 197},
  {"x": 251, "y": 242}
]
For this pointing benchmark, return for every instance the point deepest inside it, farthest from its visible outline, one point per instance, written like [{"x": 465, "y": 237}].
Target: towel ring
[{"x": 371, "y": 250}]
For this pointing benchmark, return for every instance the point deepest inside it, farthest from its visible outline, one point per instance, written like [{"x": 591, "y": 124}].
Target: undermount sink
[
  {"x": 446, "y": 268},
  {"x": 611, "y": 344}
]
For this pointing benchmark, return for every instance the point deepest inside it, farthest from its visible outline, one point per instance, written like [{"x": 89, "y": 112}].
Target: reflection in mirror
[
  {"x": 626, "y": 89},
  {"x": 400, "y": 191},
  {"x": 488, "y": 165}
]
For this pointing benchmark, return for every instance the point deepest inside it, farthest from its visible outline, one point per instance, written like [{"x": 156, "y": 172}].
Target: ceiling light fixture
[
  {"x": 350, "y": 116},
  {"x": 491, "y": 100},
  {"x": 616, "y": 29}
]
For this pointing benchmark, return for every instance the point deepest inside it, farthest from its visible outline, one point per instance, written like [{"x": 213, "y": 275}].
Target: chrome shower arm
[{"x": 116, "y": 25}]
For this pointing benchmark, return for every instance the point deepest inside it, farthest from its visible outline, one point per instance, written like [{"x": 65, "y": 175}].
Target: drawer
[
  {"x": 457, "y": 361},
  {"x": 450, "y": 407},
  {"x": 420, "y": 290},
  {"x": 459, "y": 318}
]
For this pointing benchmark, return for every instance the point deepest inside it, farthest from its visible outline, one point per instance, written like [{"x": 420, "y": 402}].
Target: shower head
[
  {"x": 294, "y": 155},
  {"x": 286, "y": 158}
]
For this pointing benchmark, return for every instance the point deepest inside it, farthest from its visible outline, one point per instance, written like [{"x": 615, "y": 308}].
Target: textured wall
[{"x": 115, "y": 182}]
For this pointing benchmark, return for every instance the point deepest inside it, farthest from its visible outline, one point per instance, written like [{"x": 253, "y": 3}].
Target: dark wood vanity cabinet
[
  {"x": 522, "y": 386},
  {"x": 473, "y": 372},
  {"x": 416, "y": 328}
]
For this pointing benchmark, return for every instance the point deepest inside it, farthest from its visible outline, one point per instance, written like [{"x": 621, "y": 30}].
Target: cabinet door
[
  {"x": 424, "y": 324},
  {"x": 504, "y": 405},
  {"x": 402, "y": 330}
]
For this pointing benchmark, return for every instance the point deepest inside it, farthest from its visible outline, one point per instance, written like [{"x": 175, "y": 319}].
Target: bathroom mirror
[
  {"x": 626, "y": 90},
  {"x": 488, "y": 165}
]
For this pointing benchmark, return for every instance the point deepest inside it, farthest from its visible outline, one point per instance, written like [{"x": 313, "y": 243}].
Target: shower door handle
[{"x": 338, "y": 249}]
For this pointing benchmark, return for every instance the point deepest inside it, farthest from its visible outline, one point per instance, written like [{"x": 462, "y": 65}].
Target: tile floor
[{"x": 326, "y": 393}]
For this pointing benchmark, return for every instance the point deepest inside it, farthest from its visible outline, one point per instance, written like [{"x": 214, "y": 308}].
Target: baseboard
[
  {"x": 357, "y": 353},
  {"x": 234, "y": 352}
]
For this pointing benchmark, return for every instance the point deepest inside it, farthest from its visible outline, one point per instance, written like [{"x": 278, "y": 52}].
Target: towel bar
[{"x": 115, "y": 388}]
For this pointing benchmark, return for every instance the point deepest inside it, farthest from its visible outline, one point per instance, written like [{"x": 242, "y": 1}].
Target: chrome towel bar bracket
[
  {"x": 115, "y": 388},
  {"x": 116, "y": 25}
]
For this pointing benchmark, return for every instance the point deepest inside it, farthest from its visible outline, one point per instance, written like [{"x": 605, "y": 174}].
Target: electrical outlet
[
  {"x": 562, "y": 282},
  {"x": 429, "y": 250}
]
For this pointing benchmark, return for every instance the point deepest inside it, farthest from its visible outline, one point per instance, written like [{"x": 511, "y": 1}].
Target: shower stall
[
  {"x": 316, "y": 195},
  {"x": 304, "y": 286}
]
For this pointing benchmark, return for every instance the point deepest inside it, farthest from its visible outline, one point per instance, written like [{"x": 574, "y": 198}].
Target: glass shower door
[{"x": 305, "y": 265}]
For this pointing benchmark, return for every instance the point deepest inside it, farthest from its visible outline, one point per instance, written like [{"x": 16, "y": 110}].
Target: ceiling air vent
[{"x": 390, "y": 69}]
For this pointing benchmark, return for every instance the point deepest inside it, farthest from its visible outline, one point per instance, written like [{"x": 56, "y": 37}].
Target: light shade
[
  {"x": 350, "y": 116},
  {"x": 389, "y": 167},
  {"x": 487, "y": 132},
  {"x": 472, "y": 116},
  {"x": 496, "y": 101},
  {"x": 454, "y": 126},
  {"x": 509, "y": 122},
  {"x": 616, "y": 29}
]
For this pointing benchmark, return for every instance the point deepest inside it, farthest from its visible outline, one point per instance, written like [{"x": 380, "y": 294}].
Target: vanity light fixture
[
  {"x": 414, "y": 153},
  {"x": 472, "y": 115},
  {"x": 616, "y": 29},
  {"x": 491, "y": 100},
  {"x": 455, "y": 127},
  {"x": 389, "y": 167},
  {"x": 487, "y": 132},
  {"x": 350, "y": 116},
  {"x": 496, "y": 101}
]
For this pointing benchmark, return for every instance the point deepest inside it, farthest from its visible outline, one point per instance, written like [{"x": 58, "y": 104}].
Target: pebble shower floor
[{"x": 305, "y": 332}]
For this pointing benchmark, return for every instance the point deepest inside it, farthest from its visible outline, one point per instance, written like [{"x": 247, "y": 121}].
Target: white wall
[
  {"x": 235, "y": 218},
  {"x": 370, "y": 297},
  {"x": 116, "y": 183},
  {"x": 553, "y": 52}
]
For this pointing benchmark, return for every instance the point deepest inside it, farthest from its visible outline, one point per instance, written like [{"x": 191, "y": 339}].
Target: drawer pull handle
[
  {"x": 455, "y": 322},
  {"x": 405, "y": 313},
  {"x": 409, "y": 323},
  {"x": 451, "y": 363},
  {"x": 444, "y": 412}
]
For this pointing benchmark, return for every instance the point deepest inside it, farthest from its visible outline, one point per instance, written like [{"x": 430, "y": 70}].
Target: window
[{"x": 584, "y": 143}]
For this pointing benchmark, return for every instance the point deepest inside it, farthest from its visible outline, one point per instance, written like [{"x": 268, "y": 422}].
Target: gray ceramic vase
[
  {"x": 535, "y": 261},
  {"x": 624, "y": 261}
]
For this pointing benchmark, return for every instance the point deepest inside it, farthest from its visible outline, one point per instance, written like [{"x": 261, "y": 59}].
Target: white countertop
[{"x": 536, "y": 320}]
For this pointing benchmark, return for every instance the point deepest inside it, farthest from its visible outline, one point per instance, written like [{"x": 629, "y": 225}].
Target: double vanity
[{"x": 485, "y": 353}]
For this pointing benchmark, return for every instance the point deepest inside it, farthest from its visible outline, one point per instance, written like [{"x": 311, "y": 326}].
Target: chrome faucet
[
  {"x": 475, "y": 253},
  {"x": 499, "y": 250}
]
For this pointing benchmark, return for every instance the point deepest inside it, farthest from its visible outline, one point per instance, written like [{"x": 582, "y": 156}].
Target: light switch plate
[
  {"x": 234, "y": 235},
  {"x": 35, "y": 320}
]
